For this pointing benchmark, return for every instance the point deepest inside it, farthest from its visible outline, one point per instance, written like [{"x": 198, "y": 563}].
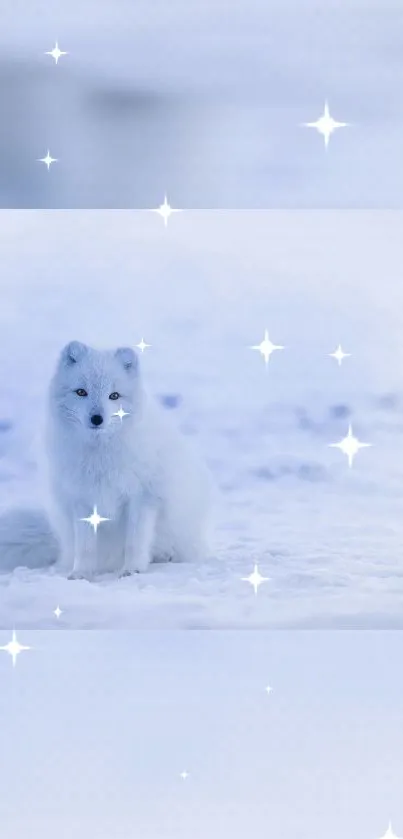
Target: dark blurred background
[{"x": 203, "y": 100}]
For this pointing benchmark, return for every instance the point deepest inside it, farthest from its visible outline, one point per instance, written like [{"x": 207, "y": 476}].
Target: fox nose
[{"x": 96, "y": 419}]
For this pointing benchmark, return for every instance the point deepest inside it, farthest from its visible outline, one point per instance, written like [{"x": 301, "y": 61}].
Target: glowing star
[
  {"x": 184, "y": 775},
  {"x": 13, "y": 648},
  {"x": 325, "y": 125},
  {"x": 389, "y": 833},
  {"x": 58, "y": 612},
  {"x": 142, "y": 345},
  {"x": 94, "y": 519},
  {"x": 339, "y": 355},
  {"x": 120, "y": 413},
  {"x": 48, "y": 160},
  {"x": 255, "y": 579},
  {"x": 350, "y": 445},
  {"x": 269, "y": 690},
  {"x": 266, "y": 348},
  {"x": 56, "y": 53},
  {"x": 165, "y": 211}
]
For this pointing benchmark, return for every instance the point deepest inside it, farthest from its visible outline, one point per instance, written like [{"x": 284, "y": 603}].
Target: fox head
[{"x": 97, "y": 390}]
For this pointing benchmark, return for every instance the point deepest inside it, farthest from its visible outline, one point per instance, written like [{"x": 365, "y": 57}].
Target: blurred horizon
[{"x": 201, "y": 102}]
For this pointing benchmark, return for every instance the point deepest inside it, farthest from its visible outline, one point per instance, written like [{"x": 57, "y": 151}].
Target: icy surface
[
  {"x": 200, "y": 292},
  {"x": 99, "y": 726}
]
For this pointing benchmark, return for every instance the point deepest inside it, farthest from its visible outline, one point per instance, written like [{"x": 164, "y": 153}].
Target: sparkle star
[
  {"x": 94, "y": 519},
  {"x": 142, "y": 345},
  {"x": 58, "y": 612},
  {"x": 266, "y": 348},
  {"x": 14, "y": 648},
  {"x": 121, "y": 413},
  {"x": 389, "y": 833},
  {"x": 48, "y": 160},
  {"x": 350, "y": 445},
  {"x": 269, "y": 690},
  {"x": 165, "y": 211},
  {"x": 325, "y": 125},
  {"x": 339, "y": 355},
  {"x": 255, "y": 579},
  {"x": 184, "y": 775},
  {"x": 56, "y": 53}
]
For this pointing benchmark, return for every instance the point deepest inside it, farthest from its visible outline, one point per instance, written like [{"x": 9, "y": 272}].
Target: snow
[
  {"x": 203, "y": 100},
  {"x": 201, "y": 292},
  {"x": 98, "y": 726}
]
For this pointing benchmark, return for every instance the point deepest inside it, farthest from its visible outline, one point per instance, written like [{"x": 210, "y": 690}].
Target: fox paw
[
  {"x": 163, "y": 557},
  {"x": 78, "y": 575}
]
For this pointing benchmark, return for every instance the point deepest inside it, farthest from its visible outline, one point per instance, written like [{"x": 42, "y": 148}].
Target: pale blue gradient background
[
  {"x": 203, "y": 100},
  {"x": 97, "y": 727}
]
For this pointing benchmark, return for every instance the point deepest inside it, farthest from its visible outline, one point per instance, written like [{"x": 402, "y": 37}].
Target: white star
[
  {"x": 13, "y": 648},
  {"x": 165, "y": 211},
  {"x": 184, "y": 775},
  {"x": 339, "y": 355},
  {"x": 325, "y": 125},
  {"x": 266, "y": 348},
  {"x": 121, "y": 413},
  {"x": 389, "y": 833},
  {"x": 56, "y": 53},
  {"x": 48, "y": 160},
  {"x": 255, "y": 579},
  {"x": 142, "y": 345},
  {"x": 94, "y": 519},
  {"x": 58, "y": 612},
  {"x": 350, "y": 445},
  {"x": 269, "y": 690}
]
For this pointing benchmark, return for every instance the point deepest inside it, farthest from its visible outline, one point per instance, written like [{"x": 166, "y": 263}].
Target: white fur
[{"x": 138, "y": 471}]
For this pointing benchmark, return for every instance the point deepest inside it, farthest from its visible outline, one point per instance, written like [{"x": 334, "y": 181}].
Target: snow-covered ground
[
  {"x": 97, "y": 728},
  {"x": 203, "y": 99},
  {"x": 201, "y": 292}
]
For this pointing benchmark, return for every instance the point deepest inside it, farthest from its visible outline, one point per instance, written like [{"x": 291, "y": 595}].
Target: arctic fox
[{"x": 124, "y": 486}]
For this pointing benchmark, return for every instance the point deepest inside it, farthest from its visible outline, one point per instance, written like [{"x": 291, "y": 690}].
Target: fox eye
[
  {"x": 81, "y": 392},
  {"x": 114, "y": 395}
]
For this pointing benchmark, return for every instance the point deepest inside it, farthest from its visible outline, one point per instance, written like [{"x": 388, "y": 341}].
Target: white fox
[{"x": 124, "y": 486}]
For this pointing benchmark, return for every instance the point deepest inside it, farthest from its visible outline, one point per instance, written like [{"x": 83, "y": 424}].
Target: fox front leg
[
  {"x": 140, "y": 532},
  {"x": 85, "y": 547},
  {"x": 63, "y": 525}
]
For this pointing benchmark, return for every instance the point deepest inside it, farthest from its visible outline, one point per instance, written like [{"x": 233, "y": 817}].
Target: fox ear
[
  {"x": 73, "y": 352},
  {"x": 127, "y": 358}
]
